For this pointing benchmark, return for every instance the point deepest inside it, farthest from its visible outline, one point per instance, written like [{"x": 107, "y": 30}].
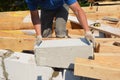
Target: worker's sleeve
[
  {"x": 32, "y": 5},
  {"x": 69, "y": 2}
]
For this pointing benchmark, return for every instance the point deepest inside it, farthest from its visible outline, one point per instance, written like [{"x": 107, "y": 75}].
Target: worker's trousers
[{"x": 59, "y": 16}]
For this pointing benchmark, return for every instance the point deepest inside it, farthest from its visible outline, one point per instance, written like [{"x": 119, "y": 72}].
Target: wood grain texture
[{"x": 104, "y": 67}]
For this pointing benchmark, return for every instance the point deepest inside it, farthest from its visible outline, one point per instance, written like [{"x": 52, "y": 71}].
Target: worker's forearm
[
  {"x": 36, "y": 21},
  {"x": 82, "y": 19},
  {"x": 80, "y": 15},
  {"x": 37, "y": 29}
]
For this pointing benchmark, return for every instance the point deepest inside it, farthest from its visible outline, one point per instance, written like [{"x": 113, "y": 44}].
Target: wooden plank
[
  {"x": 99, "y": 9},
  {"x": 106, "y": 40},
  {"x": 109, "y": 2},
  {"x": 14, "y": 20},
  {"x": 16, "y": 40},
  {"x": 111, "y": 19},
  {"x": 106, "y": 44},
  {"x": 100, "y": 15},
  {"x": 108, "y": 30},
  {"x": 79, "y": 32},
  {"x": 16, "y": 44},
  {"x": 103, "y": 28},
  {"x": 15, "y": 25},
  {"x": 98, "y": 12},
  {"x": 15, "y": 34},
  {"x": 106, "y": 48},
  {"x": 21, "y": 32},
  {"x": 104, "y": 67}
]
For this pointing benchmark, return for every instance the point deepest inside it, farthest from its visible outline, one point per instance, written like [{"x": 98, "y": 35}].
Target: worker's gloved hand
[
  {"x": 38, "y": 40},
  {"x": 89, "y": 36}
]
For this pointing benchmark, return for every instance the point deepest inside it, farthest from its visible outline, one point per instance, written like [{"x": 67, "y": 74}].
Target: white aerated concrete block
[
  {"x": 2, "y": 77},
  {"x": 21, "y": 66},
  {"x": 61, "y": 53},
  {"x": 1, "y": 70}
]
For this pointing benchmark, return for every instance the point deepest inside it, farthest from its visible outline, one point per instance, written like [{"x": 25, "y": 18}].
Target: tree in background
[{"x": 12, "y": 5}]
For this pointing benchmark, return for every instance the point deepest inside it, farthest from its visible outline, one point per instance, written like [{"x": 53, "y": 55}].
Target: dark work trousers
[{"x": 47, "y": 17}]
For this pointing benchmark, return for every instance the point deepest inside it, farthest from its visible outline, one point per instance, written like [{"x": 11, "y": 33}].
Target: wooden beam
[
  {"x": 109, "y": 48},
  {"x": 104, "y": 67},
  {"x": 15, "y": 25},
  {"x": 16, "y": 40},
  {"x": 14, "y": 34},
  {"x": 109, "y": 3},
  {"x": 107, "y": 40},
  {"x": 103, "y": 28},
  {"x": 17, "y": 44},
  {"x": 106, "y": 44},
  {"x": 79, "y": 32},
  {"x": 108, "y": 30},
  {"x": 99, "y": 9},
  {"x": 14, "y": 20}
]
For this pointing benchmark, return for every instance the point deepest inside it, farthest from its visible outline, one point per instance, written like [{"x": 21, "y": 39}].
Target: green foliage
[
  {"x": 12, "y": 5},
  {"x": 84, "y": 4}
]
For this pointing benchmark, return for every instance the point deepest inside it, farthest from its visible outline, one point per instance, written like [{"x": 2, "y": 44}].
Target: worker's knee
[
  {"x": 60, "y": 33},
  {"x": 60, "y": 29}
]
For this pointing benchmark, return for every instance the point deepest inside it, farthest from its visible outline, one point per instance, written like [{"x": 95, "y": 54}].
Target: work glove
[
  {"x": 89, "y": 36},
  {"x": 38, "y": 40}
]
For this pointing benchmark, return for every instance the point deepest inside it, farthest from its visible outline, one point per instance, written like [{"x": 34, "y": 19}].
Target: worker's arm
[
  {"x": 37, "y": 25},
  {"x": 36, "y": 21},
  {"x": 80, "y": 14}
]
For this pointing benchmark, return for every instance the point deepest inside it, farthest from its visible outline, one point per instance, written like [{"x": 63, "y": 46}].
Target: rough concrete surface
[
  {"x": 61, "y": 53},
  {"x": 22, "y": 66},
  {"x": 1, "y": 70}
]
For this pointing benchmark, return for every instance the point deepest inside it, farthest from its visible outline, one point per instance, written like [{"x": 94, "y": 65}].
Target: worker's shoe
[
  {"x": 38, "y": 40},
  {"x": 89, "y": 36},
  {"x": 47, "y": 33}
]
